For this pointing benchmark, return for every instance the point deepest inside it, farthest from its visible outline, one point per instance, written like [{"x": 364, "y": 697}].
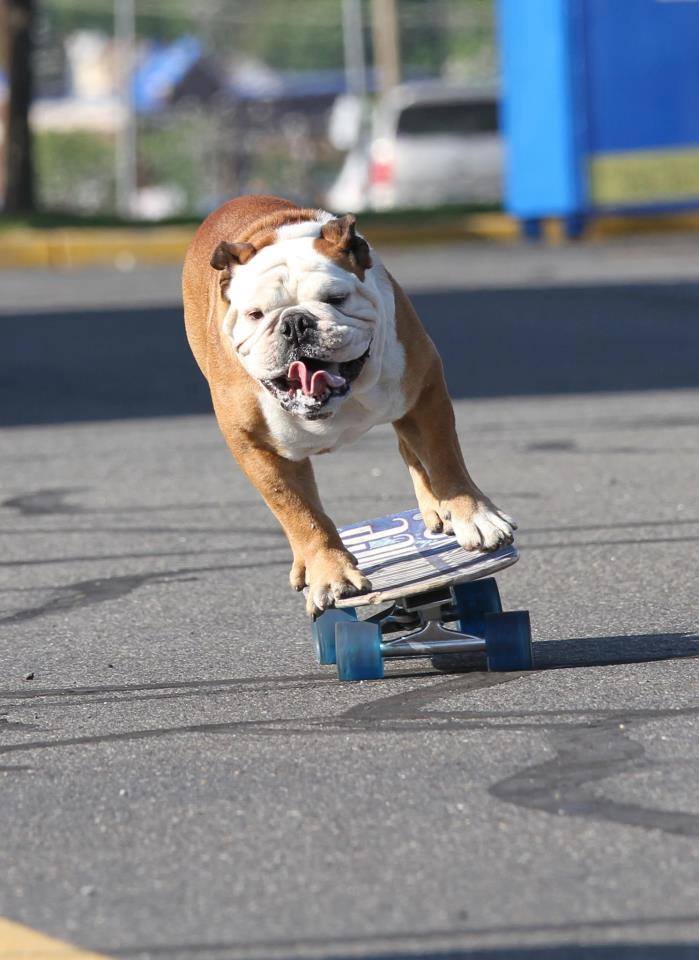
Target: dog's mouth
[{"x": 310, "y": 384}]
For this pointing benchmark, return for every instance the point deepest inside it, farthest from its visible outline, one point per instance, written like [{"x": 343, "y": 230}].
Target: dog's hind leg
[
  {"x": 426, "y": 500},
  {"x": 430, "y": 446}
]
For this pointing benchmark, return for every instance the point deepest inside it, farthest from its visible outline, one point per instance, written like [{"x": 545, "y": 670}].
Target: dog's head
[{"x": 300, "y": 316}]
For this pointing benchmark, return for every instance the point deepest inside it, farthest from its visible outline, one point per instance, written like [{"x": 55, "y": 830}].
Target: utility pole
[
  {"x": 19, "y": 183},
  {"x": 384, "y": 27},
  {"x": 125, "y": 42},
  {"x": 353, "y": 40}
]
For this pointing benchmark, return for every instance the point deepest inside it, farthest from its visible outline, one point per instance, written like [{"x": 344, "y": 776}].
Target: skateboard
[{"x": 439, "y": 601}]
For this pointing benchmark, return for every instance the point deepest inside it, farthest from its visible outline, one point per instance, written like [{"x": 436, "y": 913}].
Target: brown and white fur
[{"x": 267, "y": 283}]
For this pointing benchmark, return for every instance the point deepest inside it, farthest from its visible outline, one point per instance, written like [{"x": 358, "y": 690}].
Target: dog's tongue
[{"x": 313, "y": 382}]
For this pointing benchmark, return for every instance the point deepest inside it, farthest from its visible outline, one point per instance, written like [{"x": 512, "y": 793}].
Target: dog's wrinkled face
[{"x": 301, "y": 324}]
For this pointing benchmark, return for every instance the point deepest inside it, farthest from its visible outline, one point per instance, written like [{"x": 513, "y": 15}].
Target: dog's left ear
[
  {"x": 227, "y": 255},
  {"x": 341, "y": 233}
]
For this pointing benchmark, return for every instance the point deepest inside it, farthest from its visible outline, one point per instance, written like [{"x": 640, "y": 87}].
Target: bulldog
[{"x": 307, "y": 342}]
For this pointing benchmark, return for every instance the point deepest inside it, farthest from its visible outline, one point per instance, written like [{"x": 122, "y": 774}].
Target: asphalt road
[{"x": 179, "y": 779}]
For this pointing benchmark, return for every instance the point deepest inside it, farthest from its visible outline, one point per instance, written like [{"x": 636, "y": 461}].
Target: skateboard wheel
[
  {"x": 476, "y": 598},
  {"x": 473, "y": 599},
  {"x": 323, "y": 632},
  {"x": 358, "y": 647},
  {"x": 508, "y": 639}
]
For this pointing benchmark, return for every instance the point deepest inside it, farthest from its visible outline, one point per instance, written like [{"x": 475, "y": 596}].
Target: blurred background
[
  {"x": 153, "y": 111},
  {"x": 133, "y": 110}
]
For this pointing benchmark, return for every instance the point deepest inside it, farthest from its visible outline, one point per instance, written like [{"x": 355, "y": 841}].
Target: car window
[{"x": 456, "y": 117}]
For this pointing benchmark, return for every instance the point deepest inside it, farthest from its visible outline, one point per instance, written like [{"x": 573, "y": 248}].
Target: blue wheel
[
  {"x": 323, "y": 632},
  {"x": 358, "y": 647},
  {"x": 473, "y": 599},
  {"x": 508, "y": 639}
]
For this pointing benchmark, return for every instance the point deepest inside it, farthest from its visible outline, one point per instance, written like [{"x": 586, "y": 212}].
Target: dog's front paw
[
  {"x": 478, "y": 524},
  {"x": 332, "y": 575}
]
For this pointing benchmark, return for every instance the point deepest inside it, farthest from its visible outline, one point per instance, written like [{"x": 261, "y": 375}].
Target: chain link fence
[{"x": 228, "y": 97}]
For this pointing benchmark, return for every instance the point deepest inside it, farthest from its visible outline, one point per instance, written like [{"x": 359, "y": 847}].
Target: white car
[{"x": 430, "y": 144}]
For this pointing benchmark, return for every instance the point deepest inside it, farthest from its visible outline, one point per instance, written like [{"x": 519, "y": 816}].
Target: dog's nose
[{"x": 294, "y": 326}]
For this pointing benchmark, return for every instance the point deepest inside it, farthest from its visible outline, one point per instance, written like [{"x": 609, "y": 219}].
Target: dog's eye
[
  {"x": 255, "y": 314},
  {"x": 337, "y": 300}
]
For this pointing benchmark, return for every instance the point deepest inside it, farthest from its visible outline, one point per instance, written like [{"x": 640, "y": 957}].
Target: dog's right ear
[{"x": 228, "y": 255}]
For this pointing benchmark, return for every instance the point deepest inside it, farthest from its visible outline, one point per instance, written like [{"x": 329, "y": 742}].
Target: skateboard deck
[{"x": 401, "y": 557}]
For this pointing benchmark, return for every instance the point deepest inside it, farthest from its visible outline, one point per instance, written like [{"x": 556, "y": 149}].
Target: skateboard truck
[
  {"x": 359, "y": 647},
  {"x": 431, "y": 638}
]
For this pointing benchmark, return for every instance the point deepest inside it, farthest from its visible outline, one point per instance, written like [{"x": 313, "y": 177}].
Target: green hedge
[{"x": 75, "y": 171}]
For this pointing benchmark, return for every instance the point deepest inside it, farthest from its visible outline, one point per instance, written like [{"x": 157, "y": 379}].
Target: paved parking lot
[{"x": 180, "y": 779}]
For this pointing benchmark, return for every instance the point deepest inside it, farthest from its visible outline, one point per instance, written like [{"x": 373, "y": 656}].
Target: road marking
[{"x": 21, "y": 943}]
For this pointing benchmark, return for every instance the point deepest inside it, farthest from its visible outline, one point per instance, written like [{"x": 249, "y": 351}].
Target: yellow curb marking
[
  {"x": 122, "y": 247},
  {"x": 21, "y": 943}
]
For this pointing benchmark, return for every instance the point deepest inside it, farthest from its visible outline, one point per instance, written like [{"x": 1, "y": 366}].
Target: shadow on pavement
[
  {"x": 585, "y": 652},
  {"x": 113, "y": 364},
  {"x": 606, "y": 651},
  {"x": 624, "y": 950}
]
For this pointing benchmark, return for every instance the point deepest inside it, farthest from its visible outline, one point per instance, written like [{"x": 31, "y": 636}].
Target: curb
[
  {"x": 124, "y": 247},
  {"x": 121, "y": 247},
  {"x": 88, "y": 246}
]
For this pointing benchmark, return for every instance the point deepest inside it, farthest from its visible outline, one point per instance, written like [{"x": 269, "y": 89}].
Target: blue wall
[
  {"x": 642, "y": 73},
  {"x": 542, "y": 170},
  {"x": 606, "y": 79}
]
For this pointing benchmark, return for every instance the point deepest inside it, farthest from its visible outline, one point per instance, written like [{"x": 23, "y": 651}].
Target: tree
[{"x": 19, "y": 189}]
